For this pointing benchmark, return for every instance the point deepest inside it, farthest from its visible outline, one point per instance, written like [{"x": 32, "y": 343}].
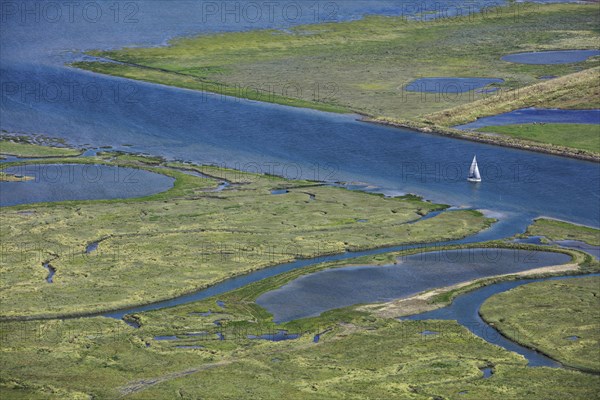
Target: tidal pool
[
  {"x": 276, "y": 336},
  {"x": 51, "y": 272},
  {"x": 60, "y": 182},
  {"x": 312, "y": 294},
  {"x": 449, "y": 85},
  {"x": 551, "y": 57},
  {"x": 536, "y": 115}
]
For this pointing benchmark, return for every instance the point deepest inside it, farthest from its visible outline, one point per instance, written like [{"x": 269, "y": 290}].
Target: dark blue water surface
[
  {"x": 59, "y": 182},
  {"x": 551, "y": 57},
  {"x": 312, "y": 294},
  {"x": 538, "y": 115},
  {"x": 449, "y": 85},
  {"x": 41, "y": 95}
]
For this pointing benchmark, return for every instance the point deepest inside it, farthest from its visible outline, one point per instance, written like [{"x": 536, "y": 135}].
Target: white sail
[{"x": 474, "y": 175}]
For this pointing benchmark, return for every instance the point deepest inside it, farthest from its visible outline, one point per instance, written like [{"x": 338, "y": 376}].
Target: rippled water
[
  {"x": 551, "y": 57},
  {"x": 449, "y": 85}
]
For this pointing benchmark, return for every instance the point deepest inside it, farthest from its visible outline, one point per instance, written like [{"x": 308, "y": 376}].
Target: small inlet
[{"x": 51, "y": 272}]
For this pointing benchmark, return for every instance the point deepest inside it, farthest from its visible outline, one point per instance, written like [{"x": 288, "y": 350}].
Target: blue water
[
  {"x": 312, "y": 294},
  {"x": 487, "y": 372},
  {"x": 58, "y": 182},
  {"x": 465, "y": 310},
  {"x": 166, "y": 338},
  {"x": 537, "y": 115},
  {"x": 449, "y": 85},
  {"x": 276, "y": 336},
  {"x": 551, "y": 57},
  {"x": 51, "y": 271},
  {"x": 205, "y": 128},
  {"x": 91, "y": 247}
]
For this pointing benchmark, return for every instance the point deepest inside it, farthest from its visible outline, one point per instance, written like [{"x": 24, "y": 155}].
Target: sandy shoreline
[{"x": 421, "y": 302}]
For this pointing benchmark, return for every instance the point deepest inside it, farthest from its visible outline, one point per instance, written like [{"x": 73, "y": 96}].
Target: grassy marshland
[
  {"x": 363, "y": 66},
  {"x": 193, "y": 234},
  {"x": 544, "y": 315},
  {"x": 363, "y": 357},
  {"x": 360, "y": 356},
  {"x": 579, "y": 136},
  {"x": 190, "y": 233}
]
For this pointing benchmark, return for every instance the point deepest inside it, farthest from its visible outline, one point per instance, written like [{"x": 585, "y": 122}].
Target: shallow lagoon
[
  {"x": 312, "y": 294},
  {"x": 61, "y": 182},
  {"x": 551, "y": 57},
  {"x": 449, "y": 85}
]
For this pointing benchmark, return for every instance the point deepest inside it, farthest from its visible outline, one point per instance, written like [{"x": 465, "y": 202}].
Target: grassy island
[{"x": 365, "y": 66}]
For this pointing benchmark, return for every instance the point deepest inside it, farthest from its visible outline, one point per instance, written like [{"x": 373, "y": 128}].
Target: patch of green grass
[
  {"x": 30, "y": 150},
  {"x": 361, "y": 357},
  {"x": 543, "y": 315},
  {"x": 189, "y": 81},
  {"x": 578, "y": 136},
  {"x": 559, "y": 230}
]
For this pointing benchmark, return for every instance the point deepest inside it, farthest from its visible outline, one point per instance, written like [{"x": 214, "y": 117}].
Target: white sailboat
[{"x": 474, "y": 175}]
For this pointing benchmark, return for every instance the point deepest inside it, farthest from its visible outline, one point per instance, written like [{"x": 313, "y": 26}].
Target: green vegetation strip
[
  {"x": 579, "y": 136},
  {"x": 559, "y": 318},
  {"x": 19, "y": 149},
  {"x": 577, "y": 90},
  {"x": 559, "y": 230}
]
